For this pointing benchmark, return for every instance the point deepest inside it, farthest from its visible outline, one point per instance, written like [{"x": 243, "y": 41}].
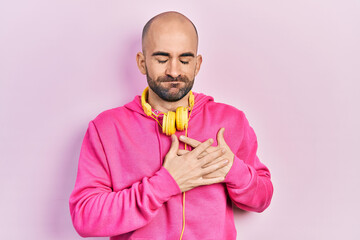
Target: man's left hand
[{"x": 221, "y": 145}]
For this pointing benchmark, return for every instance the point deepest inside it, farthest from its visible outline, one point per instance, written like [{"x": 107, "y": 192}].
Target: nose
[{"x": 173, "y": 68}]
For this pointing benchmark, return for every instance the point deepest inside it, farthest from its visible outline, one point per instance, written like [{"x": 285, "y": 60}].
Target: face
[
  {"x": 169, "y": 60},
  {"x": 169, "y": 87}
]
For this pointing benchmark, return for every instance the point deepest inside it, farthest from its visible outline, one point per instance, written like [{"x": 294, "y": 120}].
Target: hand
[
  {"x": 228, "y": 155},
  {"x": 189, "y": 169}
]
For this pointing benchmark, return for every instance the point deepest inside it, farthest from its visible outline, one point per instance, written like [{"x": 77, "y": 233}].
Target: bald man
[{"x": 163, "y": 166}]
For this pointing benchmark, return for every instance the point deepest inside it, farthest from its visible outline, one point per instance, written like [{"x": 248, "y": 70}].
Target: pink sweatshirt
[{"x": 123, "y": 191}]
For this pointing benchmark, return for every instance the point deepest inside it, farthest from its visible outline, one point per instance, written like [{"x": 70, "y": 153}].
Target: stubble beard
[{"x": 164, "y": 93}]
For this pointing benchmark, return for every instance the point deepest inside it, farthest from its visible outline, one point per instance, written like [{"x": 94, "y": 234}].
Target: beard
[{"x": 164, "y": 92}]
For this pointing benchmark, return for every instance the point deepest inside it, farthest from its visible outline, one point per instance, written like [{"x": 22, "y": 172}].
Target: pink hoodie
[{"x": 123, "y": 191}]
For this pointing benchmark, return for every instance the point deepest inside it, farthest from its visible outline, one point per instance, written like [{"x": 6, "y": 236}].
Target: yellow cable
[
  {"x": 186, "y": 134},
  {"x": 156, "y": 118},
  {"x": 183, "y": 228}
]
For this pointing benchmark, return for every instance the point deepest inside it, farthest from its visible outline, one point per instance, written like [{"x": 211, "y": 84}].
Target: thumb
[
  {"x": 174, "y": 145},
  {"x": 220, "y": 137}
]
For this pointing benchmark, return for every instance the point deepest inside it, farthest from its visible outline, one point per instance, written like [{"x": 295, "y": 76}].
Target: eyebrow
[
  {"x": 159, "y": 53},
  {"x": 187, "y": 54}
]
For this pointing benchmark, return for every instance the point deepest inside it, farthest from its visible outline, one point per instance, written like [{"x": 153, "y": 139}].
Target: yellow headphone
[{"x": 171, "y": 119}]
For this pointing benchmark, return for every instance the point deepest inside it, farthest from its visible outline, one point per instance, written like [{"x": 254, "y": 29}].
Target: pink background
[{"x": 292, "y": 66}]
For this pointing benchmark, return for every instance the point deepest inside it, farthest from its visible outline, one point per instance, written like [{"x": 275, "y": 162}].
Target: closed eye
[
  {"x": 162, "y": 61},
  {"x": 184, "y": 62}
]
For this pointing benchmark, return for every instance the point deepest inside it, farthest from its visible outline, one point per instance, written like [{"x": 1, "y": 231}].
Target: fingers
[
  {"x": 219, "y": 159},
  {"x": 213, "y": 158},
  {"x": 209, "y": 158},
  {"x": 181, "y": 152},
  {"x": 202, "y": 147},
  {"x": 214, "y": 167},
  {"x": 220, "y": 137},
  {"x": 209, "y": 181},
  {"x": 192, "y": 142},
  {"x": 215, "y": 174},
  {"x": 201, "y": 156},
  {"x": 174, "y": 146}
]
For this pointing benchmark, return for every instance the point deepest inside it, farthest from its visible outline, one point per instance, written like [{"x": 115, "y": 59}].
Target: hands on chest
[{"x": 204, "y": 165}]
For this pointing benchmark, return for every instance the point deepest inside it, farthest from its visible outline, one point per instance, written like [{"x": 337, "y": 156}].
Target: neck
[{"x": 164, "y": 106}]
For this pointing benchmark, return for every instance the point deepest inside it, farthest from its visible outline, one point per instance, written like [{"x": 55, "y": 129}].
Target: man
[{"x": 136, "y": 182}]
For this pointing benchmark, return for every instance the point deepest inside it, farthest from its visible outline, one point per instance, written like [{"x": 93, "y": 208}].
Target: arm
[
  {"x": 248, "y": 181},
  {"x": 97, "y": 210}
]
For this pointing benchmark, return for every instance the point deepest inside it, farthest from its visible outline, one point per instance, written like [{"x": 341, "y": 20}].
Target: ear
[
  {"x": 140, "y": 60},
  {"x": 198, "y": 64}
]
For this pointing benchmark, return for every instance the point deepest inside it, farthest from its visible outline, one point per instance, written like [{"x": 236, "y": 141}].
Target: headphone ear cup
[
  {"x": 181, "y": 118},
  {"x": 168, "y": 125}
]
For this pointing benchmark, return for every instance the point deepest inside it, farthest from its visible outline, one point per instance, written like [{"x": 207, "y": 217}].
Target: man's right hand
[{"x": 188, "y": 169}]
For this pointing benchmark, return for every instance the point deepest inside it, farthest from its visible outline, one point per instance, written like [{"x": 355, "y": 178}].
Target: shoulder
[
  {"x": 208, "y": 105},
  {"x": 110, "y": 116},
  {"x": 119, "y": 114},
  {"x": 225, "y": 110}
]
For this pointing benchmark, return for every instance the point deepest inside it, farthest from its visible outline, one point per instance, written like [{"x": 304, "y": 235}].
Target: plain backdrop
[{"x": 293, "y": 67}]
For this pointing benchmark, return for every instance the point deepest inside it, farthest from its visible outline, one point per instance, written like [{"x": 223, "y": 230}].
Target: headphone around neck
[{"x": 180, "y": 118}]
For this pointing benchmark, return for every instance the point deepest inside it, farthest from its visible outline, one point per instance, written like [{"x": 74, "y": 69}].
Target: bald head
[
  {"x": 169, "y": 58},
  {"x": 167, "y": 22}
]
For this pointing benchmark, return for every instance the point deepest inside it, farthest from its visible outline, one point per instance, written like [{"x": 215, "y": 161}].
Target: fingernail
[
  {"x": 182, "y": 137},
  {"x": 223, "y": 150},
  {"x": 211, "y": 140}
]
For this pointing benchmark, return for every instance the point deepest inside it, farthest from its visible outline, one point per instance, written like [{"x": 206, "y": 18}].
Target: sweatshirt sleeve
[
  {"x": 248, "y": 181},
  {"x": 96, "y": 210}
]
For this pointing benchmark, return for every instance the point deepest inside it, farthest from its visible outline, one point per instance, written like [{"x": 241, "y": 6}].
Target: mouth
[{"x": 173, "y": 82}]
